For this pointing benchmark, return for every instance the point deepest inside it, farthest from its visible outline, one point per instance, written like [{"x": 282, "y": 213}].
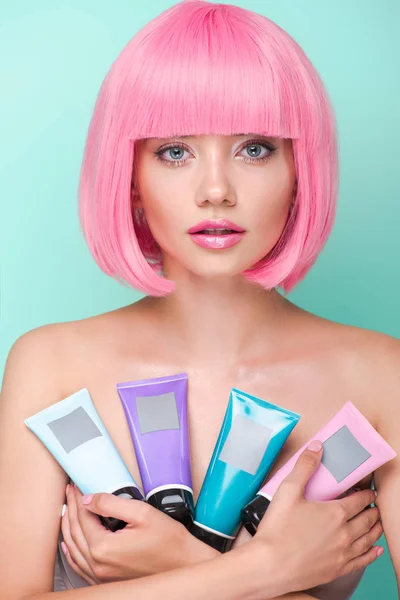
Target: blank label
[
  {"x": 343, "y": 453},
  {"x": 156, "y": 413},
  {"x": 246, "y": 444},
  {"x": 74, "y": 429}
]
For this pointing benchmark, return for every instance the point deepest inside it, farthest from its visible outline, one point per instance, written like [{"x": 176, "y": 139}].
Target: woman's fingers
[
  {"x": 74, "y": 565},
  {"x": 364, "y": 543},
  {"x": 130, "y": 510},
  {"x": 356, "y": 502},
  {"x": 73, "y": 536},
  {"x": 75, "y": 529},
  {"x": 90, "y": 524},
  {"x": 363, "y": 561},
  {"x": 362, "y": 523},
  {"x": 74, "y": 557}
]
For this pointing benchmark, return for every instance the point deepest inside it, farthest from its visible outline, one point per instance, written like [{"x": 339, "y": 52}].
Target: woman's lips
[{"x": 217, "y": 241}]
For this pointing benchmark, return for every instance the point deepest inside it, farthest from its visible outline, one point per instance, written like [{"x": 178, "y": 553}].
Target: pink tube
[{"x": 352, "y": 448}]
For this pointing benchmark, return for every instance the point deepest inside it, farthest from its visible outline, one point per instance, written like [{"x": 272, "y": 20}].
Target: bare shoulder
[
  {"x": 365, "y": 346},
  {"x": 379, "y": 369},
  {"x": 373, "y": 353},
  {"x": 51, "y": 354},
  {"x": 33, "y": 357},
  {"x": 368, "y": 360},
  {"x": 105, "y": 336}
]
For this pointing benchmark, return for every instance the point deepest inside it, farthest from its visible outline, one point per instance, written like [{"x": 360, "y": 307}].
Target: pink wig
[{"x": 203, "y": 68}]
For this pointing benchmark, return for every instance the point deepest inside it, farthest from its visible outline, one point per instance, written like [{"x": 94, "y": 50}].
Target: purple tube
[{"x": 156, "y": 411}]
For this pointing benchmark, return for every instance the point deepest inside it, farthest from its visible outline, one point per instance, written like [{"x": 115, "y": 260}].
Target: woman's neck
[{"x": 221, "y": 322}]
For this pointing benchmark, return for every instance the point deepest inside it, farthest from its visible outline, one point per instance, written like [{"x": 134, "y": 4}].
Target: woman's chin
[
  {"x": 214, "y": 265},
  {"x": 218, "y": 271}
]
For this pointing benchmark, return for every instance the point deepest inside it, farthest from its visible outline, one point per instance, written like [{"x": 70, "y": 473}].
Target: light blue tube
[
  {"x": 251, "y": 437},
  {"x": 73, "y": 432}
]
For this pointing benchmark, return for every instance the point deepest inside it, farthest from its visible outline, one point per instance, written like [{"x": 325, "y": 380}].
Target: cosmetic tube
[
  {"x": 352, "y": 449},
  {"x": 156, "y": 411},
  {"x": 252, "y": 435},
  {"x": 73, "y": 432}
]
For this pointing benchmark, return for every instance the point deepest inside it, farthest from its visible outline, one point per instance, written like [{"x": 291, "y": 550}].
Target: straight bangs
[{"x": 203, "y": 68}]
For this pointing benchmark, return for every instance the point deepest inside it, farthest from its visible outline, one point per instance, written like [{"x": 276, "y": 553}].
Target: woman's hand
[
  {"x": 151, "y": 542},
  {"x": 316, "y": 542}
]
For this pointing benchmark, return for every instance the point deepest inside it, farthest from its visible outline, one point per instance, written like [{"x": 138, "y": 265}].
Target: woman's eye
[
  {"x": 254, "y": 150},
  {"x": 175, "y": 152},
  {"x": 255, "y": 154}
]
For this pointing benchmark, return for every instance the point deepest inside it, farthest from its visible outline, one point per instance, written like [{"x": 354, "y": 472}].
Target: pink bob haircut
[{"x": 204, "y": 68}]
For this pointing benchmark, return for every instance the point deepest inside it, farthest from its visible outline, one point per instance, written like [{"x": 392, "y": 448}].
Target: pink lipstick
[{"x": 216, "y": 234}]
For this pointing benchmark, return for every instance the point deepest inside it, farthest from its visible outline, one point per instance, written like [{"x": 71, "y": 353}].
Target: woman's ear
[
  {"x": 293, "y": 202},
  {"x": 135, "y": 197}
]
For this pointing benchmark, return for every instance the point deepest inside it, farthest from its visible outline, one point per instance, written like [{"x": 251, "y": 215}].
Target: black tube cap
[
  {"x": 253, "y": 512},
  {"x": 127, "y": 492},
  {"x": 220, "y": 543},
  {"x": 176, "y": 503}
]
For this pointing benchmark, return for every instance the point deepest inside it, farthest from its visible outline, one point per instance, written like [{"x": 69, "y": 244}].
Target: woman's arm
[
  {"x": 32, "y": 484},
  {"x": 387, "y": 478},
  {"x": 32, "y": 490},
  {"x": 219, "y": 583},
  {"x": 165, "y": 532},
  {"x": 295, "y": 596},
  {"x": 275, "y": 562},
  {"x": 237, "y": 575}
]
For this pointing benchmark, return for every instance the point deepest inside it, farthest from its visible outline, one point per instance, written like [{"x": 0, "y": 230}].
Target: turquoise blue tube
[{"x": 250, "y": 439}]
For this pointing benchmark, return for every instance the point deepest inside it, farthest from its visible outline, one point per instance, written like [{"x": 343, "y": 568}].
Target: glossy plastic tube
[
  {"x": 251, "y": 437},
  {"x": 73, "y": 432},
  {"x": 352, "y": 449},
  {"x": 156, "y": 411}
]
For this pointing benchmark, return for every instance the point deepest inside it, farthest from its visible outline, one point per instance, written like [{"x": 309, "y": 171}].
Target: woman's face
[{"x": 247, "y": 179}]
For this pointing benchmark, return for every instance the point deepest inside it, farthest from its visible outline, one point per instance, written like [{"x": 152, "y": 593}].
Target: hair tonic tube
[
  {"x": 156, "y": 411},
  {"x": 352, "y": 449},
  {"x": 73, "y": 432},
  {"x": 252, "y": 435}
]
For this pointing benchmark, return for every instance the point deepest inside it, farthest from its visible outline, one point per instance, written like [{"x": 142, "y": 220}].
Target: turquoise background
[{"x": 54, "y": 56}]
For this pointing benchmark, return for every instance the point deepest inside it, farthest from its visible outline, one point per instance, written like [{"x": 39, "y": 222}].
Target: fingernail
[
  {"x": 376, "y": 494},
  {"x": 63, "y": 510},
  {"x": 315, "y": 446},
  {"x": 86, "y": 499},
  {"x": 64, "y": 548},
  {"x": 380, "y": 551}
]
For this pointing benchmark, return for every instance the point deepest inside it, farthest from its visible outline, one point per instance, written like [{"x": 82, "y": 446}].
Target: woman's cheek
[
  {"x": 270, "y": 227},
  {"x": 166, "y": 232}
]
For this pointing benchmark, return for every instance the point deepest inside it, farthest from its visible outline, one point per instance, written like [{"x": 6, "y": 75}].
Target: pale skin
[{"x": 241, "y": 336}]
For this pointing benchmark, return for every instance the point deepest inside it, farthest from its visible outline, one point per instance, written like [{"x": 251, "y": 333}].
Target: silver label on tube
[
  {"x": 156, "y": 413},
  {"x": 343, "y": 453},
  {"x": 246, "y": 444},
  {"x": 74, "y": 429}
]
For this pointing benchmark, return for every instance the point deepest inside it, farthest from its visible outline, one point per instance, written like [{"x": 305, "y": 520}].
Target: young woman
[{"x": 211, "y": 118}]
